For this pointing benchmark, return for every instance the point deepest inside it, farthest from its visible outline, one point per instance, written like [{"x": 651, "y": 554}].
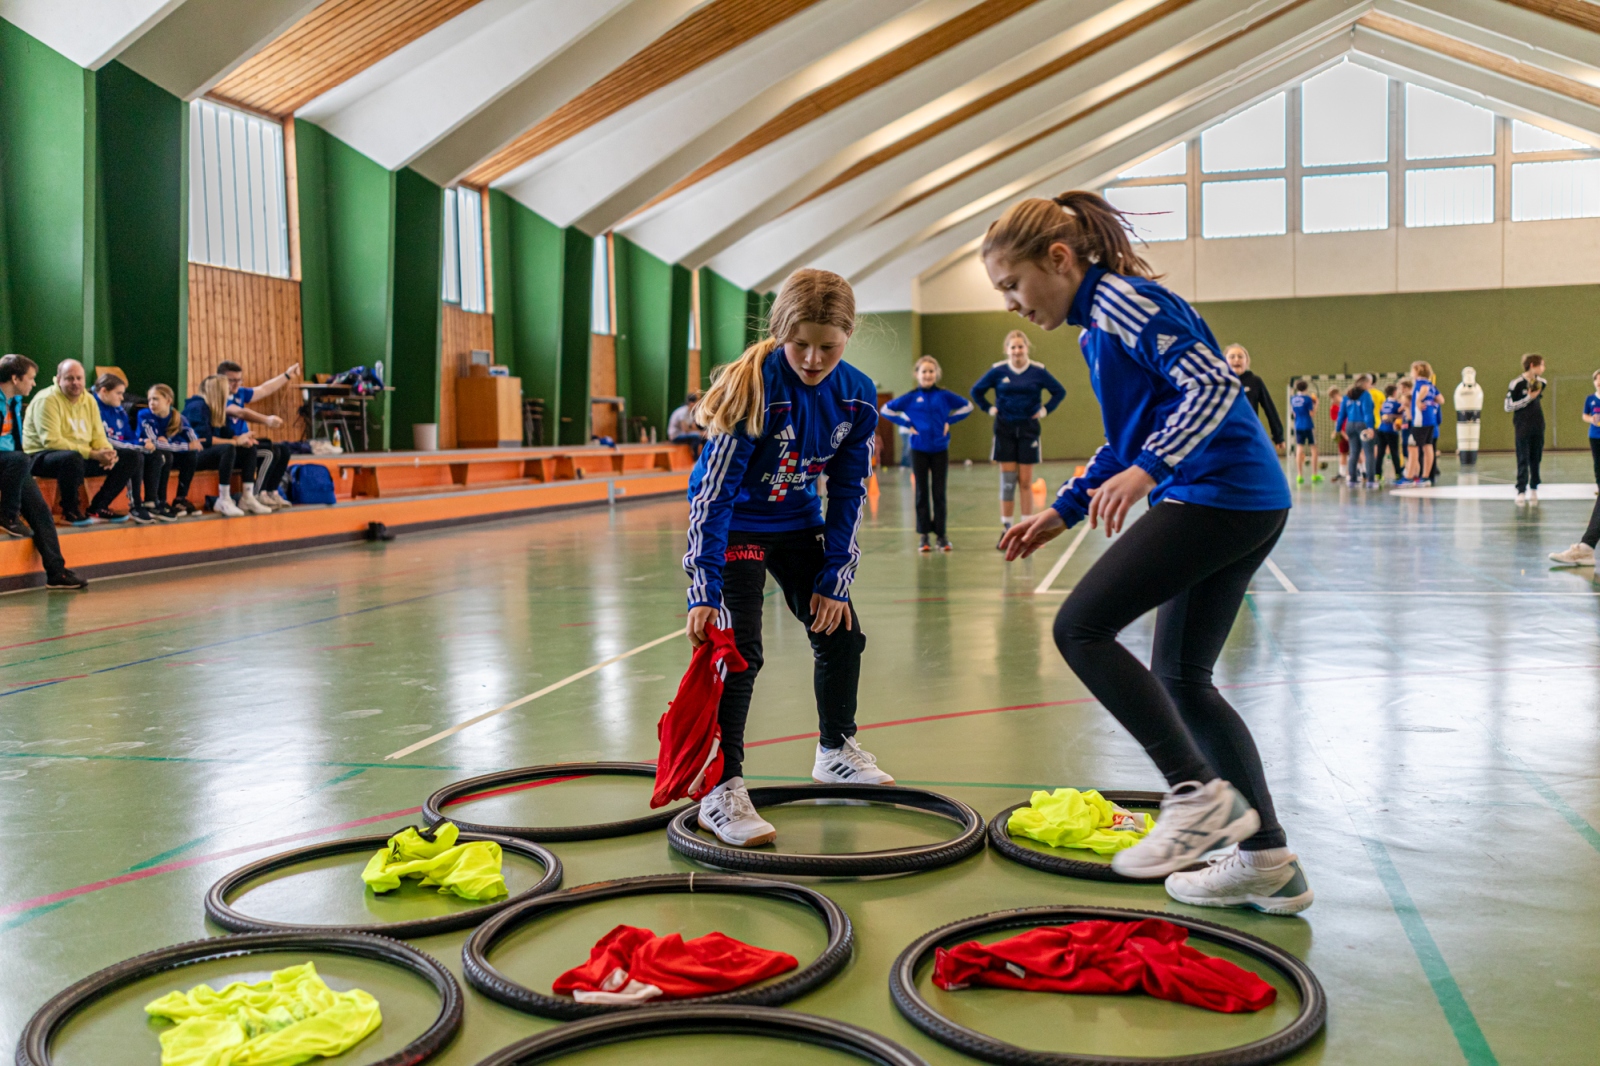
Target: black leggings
[
  {"x": 1389, "y": 444},
  {"x": 1530, "y": 451},
  {"x": 1194, "y": 564},
  {"x": 219, "y": 457},
  {"x": 931, "y": 470},
  {"x": 794, "y": 559},
  {"x": 1594, "y": 453}
]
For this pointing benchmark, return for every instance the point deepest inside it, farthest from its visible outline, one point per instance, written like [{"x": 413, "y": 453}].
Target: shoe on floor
[
  {"x": 944, "y": 545},
  {"x": 1522, "y": 499},
  {"x": 65, "y": 579},
  {"x": 16, "y": 527},
  {"x": 162, "y": 512},
  {"x": 728, "y": 812},
  {"x": 1580, "y": 554},
  {"x": 1533, "y": 495},
  {"x": 183, "y": 508},
  {"x": 1195, "y": 819},
  {"x": 923, "y": 545},
  {"x": 1229, "y": 879},
  {"x": 848, "y": 765},
  {"x": 80, "y": 520},
  {"x": 106, "y": 514},
  {"x": 226, "y": 506},
  {"x": 1301, "y": 480},
  {"x": 249, "y": 504},
  {"x": 274, "y": 500},
  {"x": 141, "y": 516},
  {"x": 1315, "y": 478}
]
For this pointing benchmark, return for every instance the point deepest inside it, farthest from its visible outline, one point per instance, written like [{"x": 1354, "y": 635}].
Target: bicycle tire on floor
[
  {"x": 433, "y": 807},
  {"x": 1000, "y": 840}
]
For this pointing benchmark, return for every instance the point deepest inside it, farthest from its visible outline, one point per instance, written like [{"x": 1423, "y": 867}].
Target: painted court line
[
  {"x": 1283, "y": 578},
  {"x": 1061, "y": 563},
  {"x": 530, "y": 697}
]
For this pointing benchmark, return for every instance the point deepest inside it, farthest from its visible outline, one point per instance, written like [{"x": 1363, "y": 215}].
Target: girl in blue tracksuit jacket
[
  {"x": 929, "y": 412},
  {"x": 786, "y": 413},
  {"x": 1179, "y": 431},
  {"x": 1017, "y": 382},
  {"x": 1358, "y": 422}
]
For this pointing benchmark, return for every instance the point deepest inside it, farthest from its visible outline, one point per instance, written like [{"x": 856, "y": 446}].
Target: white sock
[
  {"x": 1266, "y": 858},
  {"x": 1005, "y": 523},
  {"x": 224, "y": 494}
]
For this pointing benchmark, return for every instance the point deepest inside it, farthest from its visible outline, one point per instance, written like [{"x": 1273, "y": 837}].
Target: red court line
[
  {"x": 574, "y": 625},
  {"x": 46, "y": 680},
  {"x": 513, "y": 788},
  {"x": 340, "y": 647},
  {"x": 929, "y": 718}
]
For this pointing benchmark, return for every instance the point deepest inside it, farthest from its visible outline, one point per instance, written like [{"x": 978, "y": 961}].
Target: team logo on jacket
[
  {"x": 840, "y": 432},
  {"x": 1163, "y": 342},
  {"x": 786, "y": 433}
]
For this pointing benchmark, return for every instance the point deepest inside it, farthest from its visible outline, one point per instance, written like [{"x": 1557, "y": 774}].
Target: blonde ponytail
[{"x": 737, "y": 395}]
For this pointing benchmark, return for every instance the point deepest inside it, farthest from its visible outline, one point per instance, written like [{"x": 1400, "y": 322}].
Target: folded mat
[
  {"x": 1101, "y": 957},
  {"x": 290, "y": 1018}
]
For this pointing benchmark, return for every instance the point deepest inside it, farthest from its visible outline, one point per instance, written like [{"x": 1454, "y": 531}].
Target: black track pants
[
  {"x": 931, "y": 469},
  {"x": 1591, "y": 536},
  {"x": 1194, "y": 564},
  {"x": 794, "y": 560},
  {"x": 1530, "y": 452},
  {"x": 20, "y": 495},
  {"x": 1594, "y": 453},
  {"x": 1389, "y": 444}
]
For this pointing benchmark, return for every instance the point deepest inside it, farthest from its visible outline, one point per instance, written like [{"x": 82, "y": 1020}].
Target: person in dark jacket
[
  {"x": 1017, "y": 382},
  {"x": 1523, "y": 404},
  {"x": 221, "y": 450},
  {"x": 928, "y": 411},
  {"x": 1255, "y": 390},
  {"x": 19, "y": 493}
]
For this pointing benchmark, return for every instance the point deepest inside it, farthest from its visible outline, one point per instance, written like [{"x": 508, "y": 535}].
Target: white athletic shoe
[
  {"x": 249, "y": 504},
  {"x": 1229, "y": 879},
  {"x": 275, "y": 500},
  {"x": 1533, "y": 495},
  {"x": 1195, "y": 819},
  {"x": 1580, "y": 554},
  {"x": 728, "y": 812},
  {"x": 1522, "y": 499},
  {"x": 226, "y": 506},
  {"x": 848, "y": 765}
]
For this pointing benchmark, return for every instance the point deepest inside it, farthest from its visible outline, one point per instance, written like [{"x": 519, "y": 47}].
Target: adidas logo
[
  {"x": 1163, "y": 342},
  {"x": 787, "y": 433}
]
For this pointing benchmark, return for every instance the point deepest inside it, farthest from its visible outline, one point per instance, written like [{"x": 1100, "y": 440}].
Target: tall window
[
  {"x": 1255, "y": 139},
  {"x": 600, "y": 287},
  {"x": 238, "y": 215},
  {"x": 463, "y": 249}
]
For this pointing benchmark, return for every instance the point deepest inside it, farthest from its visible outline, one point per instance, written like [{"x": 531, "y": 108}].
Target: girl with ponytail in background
[
  {"x": 1179, "y": 432},
  {"x": 787, "y": 411}
]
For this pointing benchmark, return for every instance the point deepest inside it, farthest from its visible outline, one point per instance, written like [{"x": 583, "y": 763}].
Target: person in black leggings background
[{"x": 1181, "y": 433}]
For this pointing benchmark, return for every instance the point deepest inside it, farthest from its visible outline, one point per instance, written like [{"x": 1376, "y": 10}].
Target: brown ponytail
[
  {"x": 1083, "y": 221},
  {"x": 737, "y": 394},
  {"x": 174, "y": 420}
]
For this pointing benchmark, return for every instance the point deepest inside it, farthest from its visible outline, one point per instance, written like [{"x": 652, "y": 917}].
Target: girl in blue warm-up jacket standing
[
  {"x": 786, "y": 412},
  {"x": 929, "y": 412},
  {"x": 1180, "y": 432}
]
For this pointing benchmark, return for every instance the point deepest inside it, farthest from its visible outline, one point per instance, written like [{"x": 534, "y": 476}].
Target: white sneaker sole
[
  {"x": 753, "y": 842},
  {"x": 887, "y": 780},
  {"x": 1241, "y": 828},
  {"x": 1264, "y": 904}
]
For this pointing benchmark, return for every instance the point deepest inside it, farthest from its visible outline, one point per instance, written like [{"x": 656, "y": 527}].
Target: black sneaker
[
  {"x": 944, "y": 545},
  {"x": 924, "y": 546},
  {"x": 65, "y": 579},
  {"x": 182, "y": 508},
  {"x": 106, "y": 514},
  {"x": 162, "y": 512},
  {"x": 141, "y": 516},
  {"x": 79, "y": 520},
  {"x": 16, "y": 527}
]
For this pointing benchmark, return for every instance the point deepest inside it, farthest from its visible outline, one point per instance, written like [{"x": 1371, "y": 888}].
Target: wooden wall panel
[
  {"x": 254, "y": 320},
  {"x": 603, "y": 382},
  {"x": 461, "y": 333},
  {"x": 335, "y": 42}
]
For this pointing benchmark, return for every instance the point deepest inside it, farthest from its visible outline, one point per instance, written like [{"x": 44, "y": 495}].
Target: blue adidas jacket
[
  {"x": 1425, "y": 403},
  {"x": 1016, "y": 396},
  {"x": 768, "y": 484},
  {"x": 929, "y": 412},
  {"x": 1170, "y": 404},
  {"x": 1357, "y": 411},
  {"x": 119, "y": 429}
]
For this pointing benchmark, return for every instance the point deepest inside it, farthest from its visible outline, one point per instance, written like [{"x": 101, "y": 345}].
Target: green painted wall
[
  {"x": 884, "y": 346},
  {"x": 316, "y": 309},
  {"x": 652, "y": 333},
  {"x": 726, "y": 324},
  {"x": 414, "y": 342},
  {"x": 143, "y": 138},
  {"x": 541, "y": 291},
  {"x": 48, "y": 182}
]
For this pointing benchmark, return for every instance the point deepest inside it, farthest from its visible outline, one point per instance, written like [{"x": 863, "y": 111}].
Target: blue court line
[
  {"x": 248, "y": 636},
  {"x": 173, "y": 853},
  {"x": 27, "y": 916},
  {"x": 237, "y": 762},
  {"x": 1474, "y": 1045},
  {"x": 1550, "y": 796}
]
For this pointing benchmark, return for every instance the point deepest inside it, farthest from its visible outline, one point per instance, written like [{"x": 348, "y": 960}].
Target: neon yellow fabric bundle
[
  {"x": 1067, "y": 818},
  {"x": 471, "y": 871},
  {"x": 290, "y": 1018}
]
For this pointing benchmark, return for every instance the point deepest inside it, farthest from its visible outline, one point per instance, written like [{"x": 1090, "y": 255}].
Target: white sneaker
[
  {"x": 728, "y": 812},
  {"x": 1195, "y": 819},
  {"x": 226, "y": 506},
  {"x": 1229, "y": 879},
  {"x": 1522, "y": 499},
  {"x": 848, "y": 765},
  {"x": 274, "y": 500},
  {"x": 1580, "y": 554},
  {"x": 1533, "y": 495},
  {"x": 249, "y": 503}
]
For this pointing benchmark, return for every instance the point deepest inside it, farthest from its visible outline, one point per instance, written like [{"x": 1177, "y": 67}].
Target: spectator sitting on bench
[
  {"x": 108, "y": 393},
  {"x": 240, "y": 417},
  {"x": 175, "y": 445},
  {"x": 19, "y": 493},
  {"x": 63, "y": 432},
  {"x": 682, "y": 428},
  {"x": 222, "y": 450}
]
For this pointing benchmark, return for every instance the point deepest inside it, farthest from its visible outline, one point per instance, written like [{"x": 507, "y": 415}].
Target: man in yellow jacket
[{"x": 63, "y": 432}]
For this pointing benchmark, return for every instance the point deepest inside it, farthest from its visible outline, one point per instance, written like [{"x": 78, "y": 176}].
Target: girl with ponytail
[
  {"x": 786, "y": 412},
  {"x": 1179, "y": 432}
]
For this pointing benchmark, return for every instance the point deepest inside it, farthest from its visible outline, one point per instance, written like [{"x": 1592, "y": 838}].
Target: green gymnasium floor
[{"x": 1426, "y": 703}]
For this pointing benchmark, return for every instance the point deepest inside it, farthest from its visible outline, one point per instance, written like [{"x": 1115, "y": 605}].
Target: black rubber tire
[
  {"x": 650, "y": 1022},
  {"x": 433, "y": 807},
  {"x": 681, "y": 835},
  {"x": 1001, "y": 842},
  {"x": 482, "y": 975},
  {"x": 33, "y": 1049},
  {"x": 221, "y": 912},
  {"x": 903, "y": 990}
]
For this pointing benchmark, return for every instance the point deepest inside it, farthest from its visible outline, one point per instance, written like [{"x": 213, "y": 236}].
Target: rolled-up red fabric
[{"x": 633, "y": 965}]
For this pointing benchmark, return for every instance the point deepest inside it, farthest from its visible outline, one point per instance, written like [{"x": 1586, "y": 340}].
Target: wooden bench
[
  {"x": 204, "y": 484},
  {"x": 378, "y": 475}
]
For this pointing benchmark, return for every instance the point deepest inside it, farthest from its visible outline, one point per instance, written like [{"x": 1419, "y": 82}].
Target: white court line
[
  {"x": 1283, "y": 578},
  {"x": 563, "y": 683},
  {"x": 1055, "y": 571}
]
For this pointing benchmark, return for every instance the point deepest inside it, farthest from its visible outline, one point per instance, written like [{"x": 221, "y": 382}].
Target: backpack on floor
[{"x": 309, "y": 483}]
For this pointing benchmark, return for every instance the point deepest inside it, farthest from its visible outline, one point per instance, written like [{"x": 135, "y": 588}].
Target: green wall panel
[
  {"x": 572, "y": 417},
  {"x": 414, "y": 366},
  {"x": 529, "y": 260},
  {"x": 724, "y": 322},
  {"x": 646, "y": 337},
  {"x": 48, "y": 179},
  {"x": 142, "y": 139},
  {"x": 316, "y": 309},
  {"x": 884, "y": 346}
]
